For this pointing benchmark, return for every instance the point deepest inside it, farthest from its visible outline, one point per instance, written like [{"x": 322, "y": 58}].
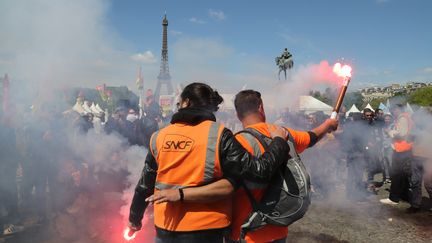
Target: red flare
[
  {"x": 342, "y": 71},
  {"x": 129, "y": 235}
]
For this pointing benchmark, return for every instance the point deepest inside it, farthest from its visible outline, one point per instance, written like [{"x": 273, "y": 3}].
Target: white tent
[
  {"x": 86, "y": 107},
  {"x": 370, "y": 107},
  {"x": 78, "y": 108},
  {"x": 384, "y": 108},
  {"x": 309, "y": 104},
  {"x": 99, "y": 109},
  {"x": 351, "y": 110},
  {"x": 94, "y": 110}
]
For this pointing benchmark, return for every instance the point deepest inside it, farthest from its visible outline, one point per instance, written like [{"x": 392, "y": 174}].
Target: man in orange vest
[
  {"x": 402, "y": 157},
  {"x": 250, "y": 110},
  {"x": 194, "y": 151}
]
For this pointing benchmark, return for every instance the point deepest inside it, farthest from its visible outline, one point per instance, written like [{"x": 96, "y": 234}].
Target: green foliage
[
  {"x": 328, "y": 96},
  {"x": 422, "y": 97},
  {"x": 353, "y": 98}
]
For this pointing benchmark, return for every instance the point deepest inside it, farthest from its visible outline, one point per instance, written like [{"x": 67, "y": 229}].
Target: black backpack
[{"x": 288, "y": 196}]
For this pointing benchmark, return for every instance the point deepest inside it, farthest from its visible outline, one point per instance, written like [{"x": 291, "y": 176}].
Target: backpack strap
[
  {"x": 264, "y": 141},
  {"x": 291, "y": 143}
]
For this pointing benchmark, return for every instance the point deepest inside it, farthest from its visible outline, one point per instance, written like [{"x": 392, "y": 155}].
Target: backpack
[{"x": 288, "y": 195}]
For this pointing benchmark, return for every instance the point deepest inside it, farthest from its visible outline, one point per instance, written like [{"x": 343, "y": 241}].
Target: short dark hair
[
  {"x": 202, "y": 95},
  {"x": 246, "y": 102}
]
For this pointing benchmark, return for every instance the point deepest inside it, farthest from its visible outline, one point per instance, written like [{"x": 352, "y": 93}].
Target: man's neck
[{"x": 252, "y": 119}]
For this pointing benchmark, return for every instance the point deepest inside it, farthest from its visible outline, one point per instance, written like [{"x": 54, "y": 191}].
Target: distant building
[
  {"x": 164, "y": 92},
  {"x": 371, "y": 93}
]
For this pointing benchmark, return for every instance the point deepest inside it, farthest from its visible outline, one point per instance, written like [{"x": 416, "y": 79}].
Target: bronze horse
[{"x": 284, "y": 64}]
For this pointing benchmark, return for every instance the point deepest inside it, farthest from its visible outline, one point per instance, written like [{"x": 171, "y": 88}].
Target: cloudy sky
[{"x": 226, "y": 43}]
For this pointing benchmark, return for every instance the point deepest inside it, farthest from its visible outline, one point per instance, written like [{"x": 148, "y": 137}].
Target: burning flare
[
  {"x": 128, "y": 234},
  {"x": 345, "y": 72},
  {"x": 342, "y": 71}
]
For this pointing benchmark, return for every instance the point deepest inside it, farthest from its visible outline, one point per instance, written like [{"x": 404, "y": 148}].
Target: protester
[
  {"x": 250, "y": 110},
  {"x": 387, "y": 151},
  {"x": 373, "y": 136},
  {"x": 151, "y": 107},
  {"x": 174, "y": 163},
  {"x": 118, "y": 123},
  {"x": 68, "y": 169},
  {"x": 402, "y": 157},
  {"x": 354, "y": 143}
]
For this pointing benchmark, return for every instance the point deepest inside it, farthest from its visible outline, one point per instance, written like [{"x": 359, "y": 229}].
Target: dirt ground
[{"x": 336, "y": 219}]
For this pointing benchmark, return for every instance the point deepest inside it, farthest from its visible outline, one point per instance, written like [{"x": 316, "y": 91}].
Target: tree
[
  {"x": 353, "y": 98},
  {"x": 422, "y": 97},
  {"x": 328, "y": 96}
]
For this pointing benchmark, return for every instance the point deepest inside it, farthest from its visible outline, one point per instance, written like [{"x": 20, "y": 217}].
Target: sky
[{"x": 228, "y": 44}]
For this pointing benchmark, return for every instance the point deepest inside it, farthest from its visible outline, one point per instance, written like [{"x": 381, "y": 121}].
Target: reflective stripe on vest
[
  {"x": 153, "y": 146},
  {"x": 211, "y": 152},
  {"x": 189, "y": 156},
  {"x": 401, "y": 144},
  {"x": 257, "y": 151}
]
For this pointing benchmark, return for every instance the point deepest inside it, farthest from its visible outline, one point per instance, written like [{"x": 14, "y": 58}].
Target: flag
[{"x": 140, "y": 80}]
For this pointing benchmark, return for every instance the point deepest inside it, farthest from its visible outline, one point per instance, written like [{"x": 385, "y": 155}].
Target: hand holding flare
[{"x": 129, "y": 234}]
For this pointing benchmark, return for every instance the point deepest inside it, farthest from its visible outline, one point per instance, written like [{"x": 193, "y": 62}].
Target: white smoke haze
[
  {"x": 46, "y": 48},
  {"x": 107, "y": 152},
  {"x": 422, "y": 134},
  {"x": 135, "y": 156},
  {"x": 47, "y": 45},
  {"x": 299, "y": 82}
]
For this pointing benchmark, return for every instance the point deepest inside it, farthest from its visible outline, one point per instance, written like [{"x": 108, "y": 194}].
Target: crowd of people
[
  {"x": 46, "y": 175},
  {"x": 58, "y": 167},
  {"x": 378, "y": 148}
]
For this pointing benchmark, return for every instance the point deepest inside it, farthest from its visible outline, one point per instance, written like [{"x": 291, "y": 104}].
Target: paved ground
[
  {"x": 338, "y": 220},
  {"x": 328, "y": 220}
]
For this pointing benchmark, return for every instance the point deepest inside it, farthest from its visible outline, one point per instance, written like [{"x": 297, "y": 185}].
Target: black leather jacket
[{"x": 236, "y": 162}]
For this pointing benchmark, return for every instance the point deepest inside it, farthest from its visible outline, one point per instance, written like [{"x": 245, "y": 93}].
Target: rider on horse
[{"x": 286, "y": 54}]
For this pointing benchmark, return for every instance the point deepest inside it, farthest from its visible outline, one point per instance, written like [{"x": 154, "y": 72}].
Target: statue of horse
[{"x": 284, "y": 64}]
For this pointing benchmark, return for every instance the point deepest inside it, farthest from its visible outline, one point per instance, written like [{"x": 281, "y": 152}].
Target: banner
[{"x": 166, "y": 102}]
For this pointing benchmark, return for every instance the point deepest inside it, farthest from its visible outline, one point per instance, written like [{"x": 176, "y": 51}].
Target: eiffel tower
[{"x": 164, "y": 85}]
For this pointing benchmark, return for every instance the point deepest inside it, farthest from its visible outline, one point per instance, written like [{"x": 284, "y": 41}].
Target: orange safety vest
[
  {"x": 402, "y": 144},
  {"x": 242, "y": 206},
  {"x": 188, "y": 156}
]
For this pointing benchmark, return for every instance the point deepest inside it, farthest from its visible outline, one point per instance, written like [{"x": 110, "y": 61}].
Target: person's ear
[
  {"x": 261, "y": 108},
  {"x": 185, "y": 103}
]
